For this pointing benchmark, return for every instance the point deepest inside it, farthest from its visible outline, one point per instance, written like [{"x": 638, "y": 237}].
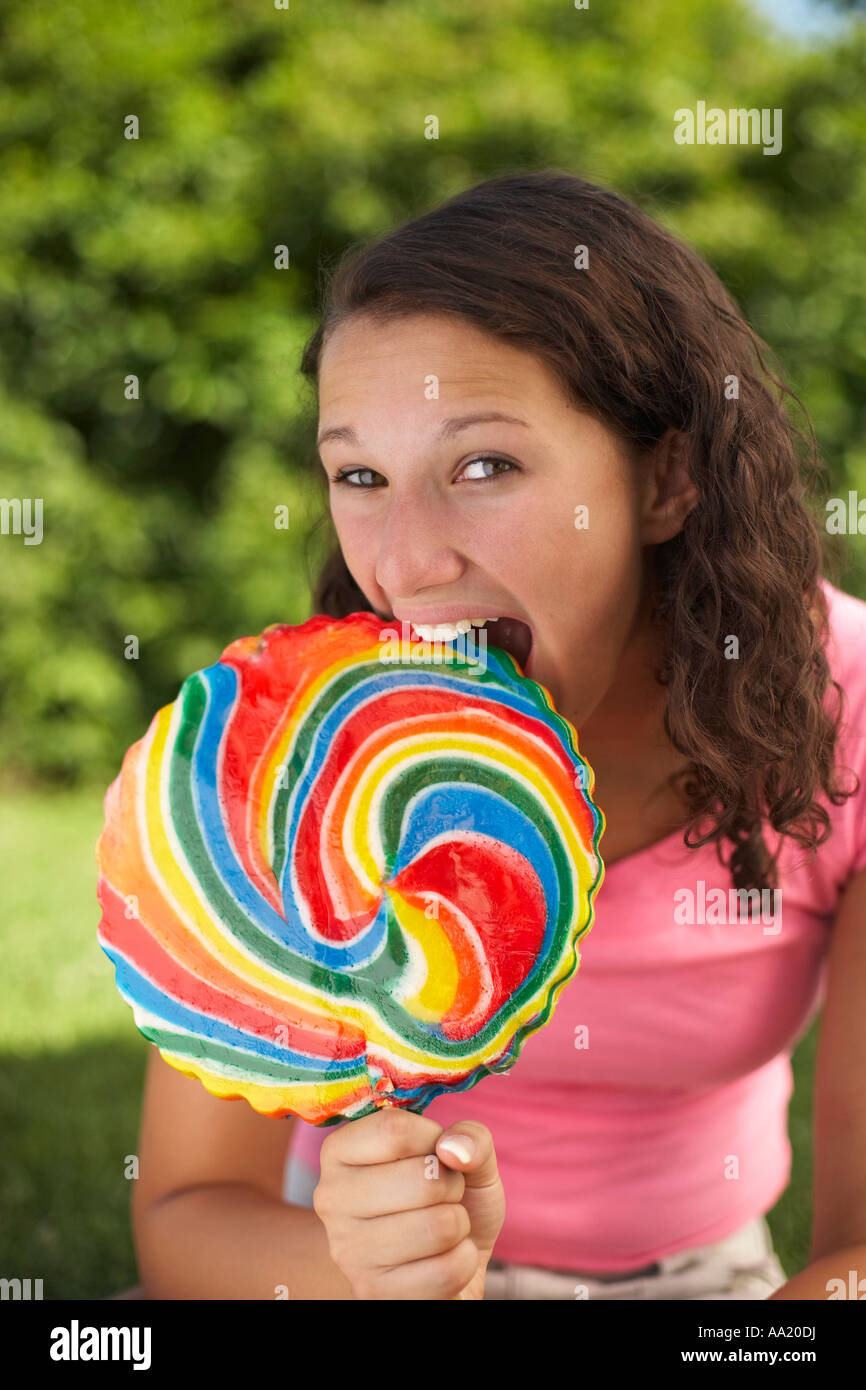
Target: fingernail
[{"x": 460, "y": 1145}]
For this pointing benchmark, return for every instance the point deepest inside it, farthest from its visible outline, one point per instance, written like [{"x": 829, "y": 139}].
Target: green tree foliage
[{"x": 305, "y": 127}]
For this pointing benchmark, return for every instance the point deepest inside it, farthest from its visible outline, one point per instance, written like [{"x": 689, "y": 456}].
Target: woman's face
[{"x": 444, "y": 515}]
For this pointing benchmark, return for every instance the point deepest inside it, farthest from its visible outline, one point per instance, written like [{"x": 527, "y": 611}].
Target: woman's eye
[
  {"x": 483, "y": 459},
  {"x": 345, "y": 474}
]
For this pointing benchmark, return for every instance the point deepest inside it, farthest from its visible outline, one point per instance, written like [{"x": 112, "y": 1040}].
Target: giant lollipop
[{"x": 338, "y": 874}]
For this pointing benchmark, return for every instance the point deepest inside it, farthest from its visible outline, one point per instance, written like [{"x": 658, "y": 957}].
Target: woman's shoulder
[
  {"x": 846, "y": 656},
  {"x": 846, "y": 646}
]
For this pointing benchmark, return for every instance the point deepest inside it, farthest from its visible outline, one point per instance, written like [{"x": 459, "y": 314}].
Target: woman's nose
[{"x": 416, "y": 550}]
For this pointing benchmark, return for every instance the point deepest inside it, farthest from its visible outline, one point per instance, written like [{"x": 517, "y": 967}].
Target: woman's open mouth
[{"x": 511, "y": 635}]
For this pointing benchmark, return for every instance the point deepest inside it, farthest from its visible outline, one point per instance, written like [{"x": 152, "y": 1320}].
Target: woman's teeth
[{"x": 446, "y": 632}]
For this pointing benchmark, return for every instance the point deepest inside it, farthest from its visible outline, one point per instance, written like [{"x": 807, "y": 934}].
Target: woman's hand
[{"x": 405, "y": 1216}]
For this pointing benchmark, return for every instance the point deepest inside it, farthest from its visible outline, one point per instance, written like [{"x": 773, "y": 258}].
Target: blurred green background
[{"x": 154, "y": 258}]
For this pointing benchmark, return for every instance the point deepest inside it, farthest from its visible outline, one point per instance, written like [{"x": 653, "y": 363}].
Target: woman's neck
[{"x": 624, "y": 739}]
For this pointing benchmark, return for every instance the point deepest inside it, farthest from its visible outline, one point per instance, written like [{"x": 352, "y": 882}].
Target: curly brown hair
[{"x": 647, "y": 338}]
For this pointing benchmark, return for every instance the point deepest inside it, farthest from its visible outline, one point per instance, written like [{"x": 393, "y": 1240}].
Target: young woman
[{"x": 539, "y": 408}]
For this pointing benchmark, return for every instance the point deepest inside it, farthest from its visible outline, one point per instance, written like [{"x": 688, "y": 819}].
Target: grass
[{"x": 73, "y": 1066}]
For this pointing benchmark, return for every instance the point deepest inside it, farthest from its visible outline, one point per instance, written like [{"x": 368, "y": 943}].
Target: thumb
[{"x": 467, "y": 1147}]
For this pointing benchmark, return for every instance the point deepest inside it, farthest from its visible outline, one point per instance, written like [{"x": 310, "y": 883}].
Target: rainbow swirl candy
[{"x": 330, "y": 882}]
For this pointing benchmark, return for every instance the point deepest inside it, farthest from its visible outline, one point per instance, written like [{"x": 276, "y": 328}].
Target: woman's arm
[
  {"x": 208, "y": 1217},
  {"x": 838, "y": 1250},
  {"x": 839, "y": 1275},
  {"x": 234, "y": 1242}
]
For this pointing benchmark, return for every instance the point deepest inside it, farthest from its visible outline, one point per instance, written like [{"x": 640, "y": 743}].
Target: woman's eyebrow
[{"x": 446, "y": 430}]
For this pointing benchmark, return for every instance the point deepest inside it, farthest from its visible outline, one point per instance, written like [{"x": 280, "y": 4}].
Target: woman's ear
[{"x": 669, "y": 493}]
